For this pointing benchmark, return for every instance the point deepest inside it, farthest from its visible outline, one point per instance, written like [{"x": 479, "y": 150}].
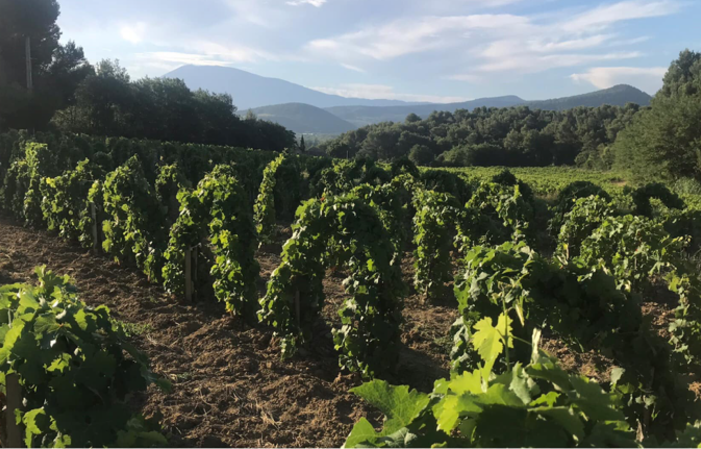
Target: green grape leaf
[
  {"x": 362, "y": 432},
  {"x": 488, "y": 340},
  {"x": 467, "y": 382},
  {"x": 593, "y": 401},
  {"x": 565, "y": 417},
  {"x": 449, "y": 410},
  {"x": 35, "y": 423},
  {"x": 401, "y": 405}
]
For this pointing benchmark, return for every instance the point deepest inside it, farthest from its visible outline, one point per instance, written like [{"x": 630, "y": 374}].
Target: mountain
[
  {"x": 367, "y": 115},
  {"x": 616, "y": 96},
  {"x": 252, "y": 91},
  {"x": 304, "y": 118}
]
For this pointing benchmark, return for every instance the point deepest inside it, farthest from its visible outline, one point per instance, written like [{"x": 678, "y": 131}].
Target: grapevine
[
  {"x": 168, "y": 184},
  {"x": 583, "y": 308},
  {"x": 632, "y": 249},
  {"x": 217, "y": 214},
  {"x": 497, "y": 214},
  {"x": 133, "y": 219},
  {"x": 567, "y": 198},
  {"x": 642, "y": 196},
  {"x": 341, "y": 230},
  {"x": 391, "y": 201},
  {"x": 543, "y": 405},
  {"x": 264, "y": 208},
  {"x": 41, "y": 162},
  {"x": 64, "y": 198},
  {"x": 404, "y": 166},
  {"x": 76, "y": 390},
  {"x": 579, "y": 223},
  {"x": 446, "y": 182},
  {"x": 434, "y": 228}
]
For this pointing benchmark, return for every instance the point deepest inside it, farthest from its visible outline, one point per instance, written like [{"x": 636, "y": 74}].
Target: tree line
[
  {"x": 69, "y": 94},
  {"x": 517, "y": 136}
]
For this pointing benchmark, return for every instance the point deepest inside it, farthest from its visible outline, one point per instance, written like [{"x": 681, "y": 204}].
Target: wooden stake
[
  {"x": 95, "y": 237},
  {"x": 194, "y": 272},
  {"x": 297, "y": 313},
  {"x": 28, "y": 60},
  {"x": 14, "y": 402},
  {"x": 188, "y": 274}
]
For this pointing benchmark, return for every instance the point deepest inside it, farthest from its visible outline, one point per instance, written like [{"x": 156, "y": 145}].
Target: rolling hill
[
  {"x": 616, "y": 96},
  {"x": 367, "y": 115},
  {"x": 251, "y": 91},
  {"x": 304, "y": 118}
]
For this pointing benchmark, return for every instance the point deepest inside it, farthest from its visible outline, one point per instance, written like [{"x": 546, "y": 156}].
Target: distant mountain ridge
[
  {"x": 367, "y": 115},
  {"x": 618, "y": 95},
  {"x": 305, "y": 110},
  {"x": 615, "y": 96},
  {"x": 251, "y": 91},
  {"x": 304, "y": 118}
]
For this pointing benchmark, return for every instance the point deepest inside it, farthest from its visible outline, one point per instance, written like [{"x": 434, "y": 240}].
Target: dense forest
[
  {"x": 69, "y": 94},
  {"x": 515, "y": 136}
]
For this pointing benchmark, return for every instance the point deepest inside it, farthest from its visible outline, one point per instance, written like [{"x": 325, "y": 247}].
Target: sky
[{"x": 412, "y": 50}]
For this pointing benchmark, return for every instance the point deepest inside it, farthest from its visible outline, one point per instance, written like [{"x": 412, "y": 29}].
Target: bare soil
[{"x": 230, "y": 387}]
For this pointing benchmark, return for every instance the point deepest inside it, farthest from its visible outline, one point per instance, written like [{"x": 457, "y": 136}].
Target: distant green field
[{"x": 546, "y": 182}]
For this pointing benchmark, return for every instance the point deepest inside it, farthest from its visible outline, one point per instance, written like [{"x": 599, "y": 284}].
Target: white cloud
[
  {"x": 513, "y": 44},
  {"x": 170, "y": 58},
  {"x": 133, "y": 33},
  {"x": 231, "y": 52},
  {"x": 415, "y": 35},
  {"x": 256, "y": 12},
  {"x": 467, "y": 77},
  {"x": 530, "y": 63},
  {"x": 202, "y": 53},
  {"x": 606, "y": 15},
  {"x": 381, "y": 91},
  {"x": 648, "y": 79},
  {"x": 353, "y": 68},
  {"x": 633, "y": 41},
  {"x": 317, "y": 3}
]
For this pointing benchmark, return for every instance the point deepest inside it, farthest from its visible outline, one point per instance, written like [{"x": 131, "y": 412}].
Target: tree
[
  {"x": 102, "y": 103},
  {"x": 35, "y": 19},
  {"x": 412, "y": 118},
  {"x": 421, "y": 155},
  {"x": 302, "y": 146},
  {"x": 109, "y": 103},
  {"x": 56, "y": 70},
  {"x": 339, "y": 150},
  {"x": 664, "y": 141},
  {"x": 683, "y": 77}
]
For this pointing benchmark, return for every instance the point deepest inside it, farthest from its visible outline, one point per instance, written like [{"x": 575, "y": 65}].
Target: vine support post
[
  {"x": 188, "y": 274},
  {"x": 14, "y": 402},
  {"x": 297, "y": 312},
  {"x": 95, "y": 237},
  {"x": 194, "y": 272}
]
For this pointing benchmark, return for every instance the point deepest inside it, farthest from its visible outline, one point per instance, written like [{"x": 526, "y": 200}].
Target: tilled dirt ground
[{"x": 230, "y": 387}]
